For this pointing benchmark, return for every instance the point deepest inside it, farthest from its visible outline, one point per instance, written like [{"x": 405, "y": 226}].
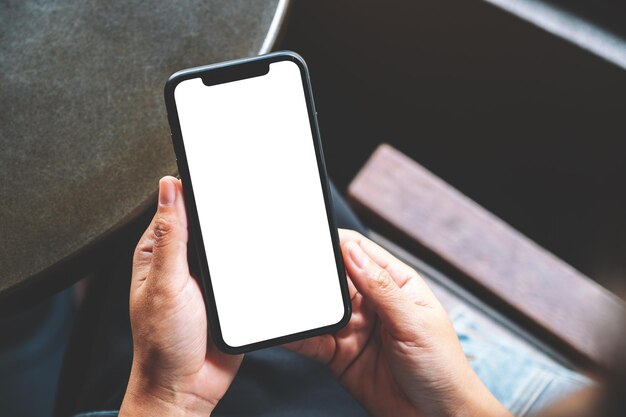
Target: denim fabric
[
  {"x": 275, "y": 382},
  {"x": 522, "y": 379}
]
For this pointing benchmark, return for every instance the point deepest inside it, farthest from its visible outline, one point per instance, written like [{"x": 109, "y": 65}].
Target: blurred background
[{"x": 525, "y": 123}]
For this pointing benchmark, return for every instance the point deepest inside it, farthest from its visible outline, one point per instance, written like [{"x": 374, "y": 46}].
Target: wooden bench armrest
[{"x": 544, "y": 294}]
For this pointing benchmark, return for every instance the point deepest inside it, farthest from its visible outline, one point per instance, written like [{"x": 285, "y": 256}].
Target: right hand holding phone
[{"x": 399, "y": 355}]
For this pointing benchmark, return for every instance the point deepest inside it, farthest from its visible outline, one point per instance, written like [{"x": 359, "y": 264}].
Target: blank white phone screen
[{"x": 259, "y": 198}]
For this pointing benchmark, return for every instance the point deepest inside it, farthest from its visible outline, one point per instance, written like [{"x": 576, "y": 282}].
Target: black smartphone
[{"x": 260, "y": 213}]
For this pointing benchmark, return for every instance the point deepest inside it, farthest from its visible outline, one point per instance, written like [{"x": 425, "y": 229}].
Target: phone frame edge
[{"x": 192, "y": 213}]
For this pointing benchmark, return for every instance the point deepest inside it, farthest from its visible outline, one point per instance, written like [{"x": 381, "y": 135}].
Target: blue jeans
[{"x": 523, "y": 380}]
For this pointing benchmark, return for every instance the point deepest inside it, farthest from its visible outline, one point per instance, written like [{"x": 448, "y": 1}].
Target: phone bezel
[{"x": 232, "y": 71}]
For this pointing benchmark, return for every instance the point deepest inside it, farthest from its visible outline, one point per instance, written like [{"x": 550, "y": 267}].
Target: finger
[
  {"x": 169, "y": 234},
  {"x": 406, "y": 277},
  {"x": 393, "y": 307},
  {"x": 398, "y": 270},
  {"x": 319, "y": 348},
  {"x": 142, "y": 258}
]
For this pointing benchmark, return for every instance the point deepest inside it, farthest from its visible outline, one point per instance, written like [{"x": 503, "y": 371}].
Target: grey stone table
[{"x": 83, "y": 131}]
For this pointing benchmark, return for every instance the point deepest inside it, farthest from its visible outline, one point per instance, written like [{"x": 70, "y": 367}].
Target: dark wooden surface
[{"x": 545, "y": 294}]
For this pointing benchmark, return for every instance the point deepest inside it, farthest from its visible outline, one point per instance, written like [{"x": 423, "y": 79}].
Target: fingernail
[
  {"x": 167, "y": 192},
  {"x": 358, "y": 256}
]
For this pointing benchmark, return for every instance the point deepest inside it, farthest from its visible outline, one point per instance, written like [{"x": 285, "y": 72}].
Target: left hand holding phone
[{"x": 176, "y": 371}]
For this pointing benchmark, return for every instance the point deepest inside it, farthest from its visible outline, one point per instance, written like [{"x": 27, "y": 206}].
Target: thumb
[
  {"x": 393, "y": 307},
  {"x": 169, "y": 262}
]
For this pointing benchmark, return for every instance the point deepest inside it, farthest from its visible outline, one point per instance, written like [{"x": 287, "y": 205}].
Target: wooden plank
[{"x": 558, "y": 302}]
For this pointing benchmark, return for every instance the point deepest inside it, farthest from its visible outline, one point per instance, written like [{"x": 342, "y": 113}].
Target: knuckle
[
  {"x": 163, "y": 229},
  {"x": 141, "y": 253},
  {"x": 137, "y": 256},
  {"x": 137, "y": 252},
  {"x": 413, "y": 276},
  {"x": 380, "y": 279}
]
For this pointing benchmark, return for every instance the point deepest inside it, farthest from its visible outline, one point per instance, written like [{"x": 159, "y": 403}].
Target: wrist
[
  {"x": 477, "y": 401},
  {"x": 145, "y": 395}
]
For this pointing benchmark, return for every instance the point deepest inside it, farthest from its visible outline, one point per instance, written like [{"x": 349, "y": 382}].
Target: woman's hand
[
  {"x": 176, "y": 369},
  {"x": 399, "y": 354}
]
